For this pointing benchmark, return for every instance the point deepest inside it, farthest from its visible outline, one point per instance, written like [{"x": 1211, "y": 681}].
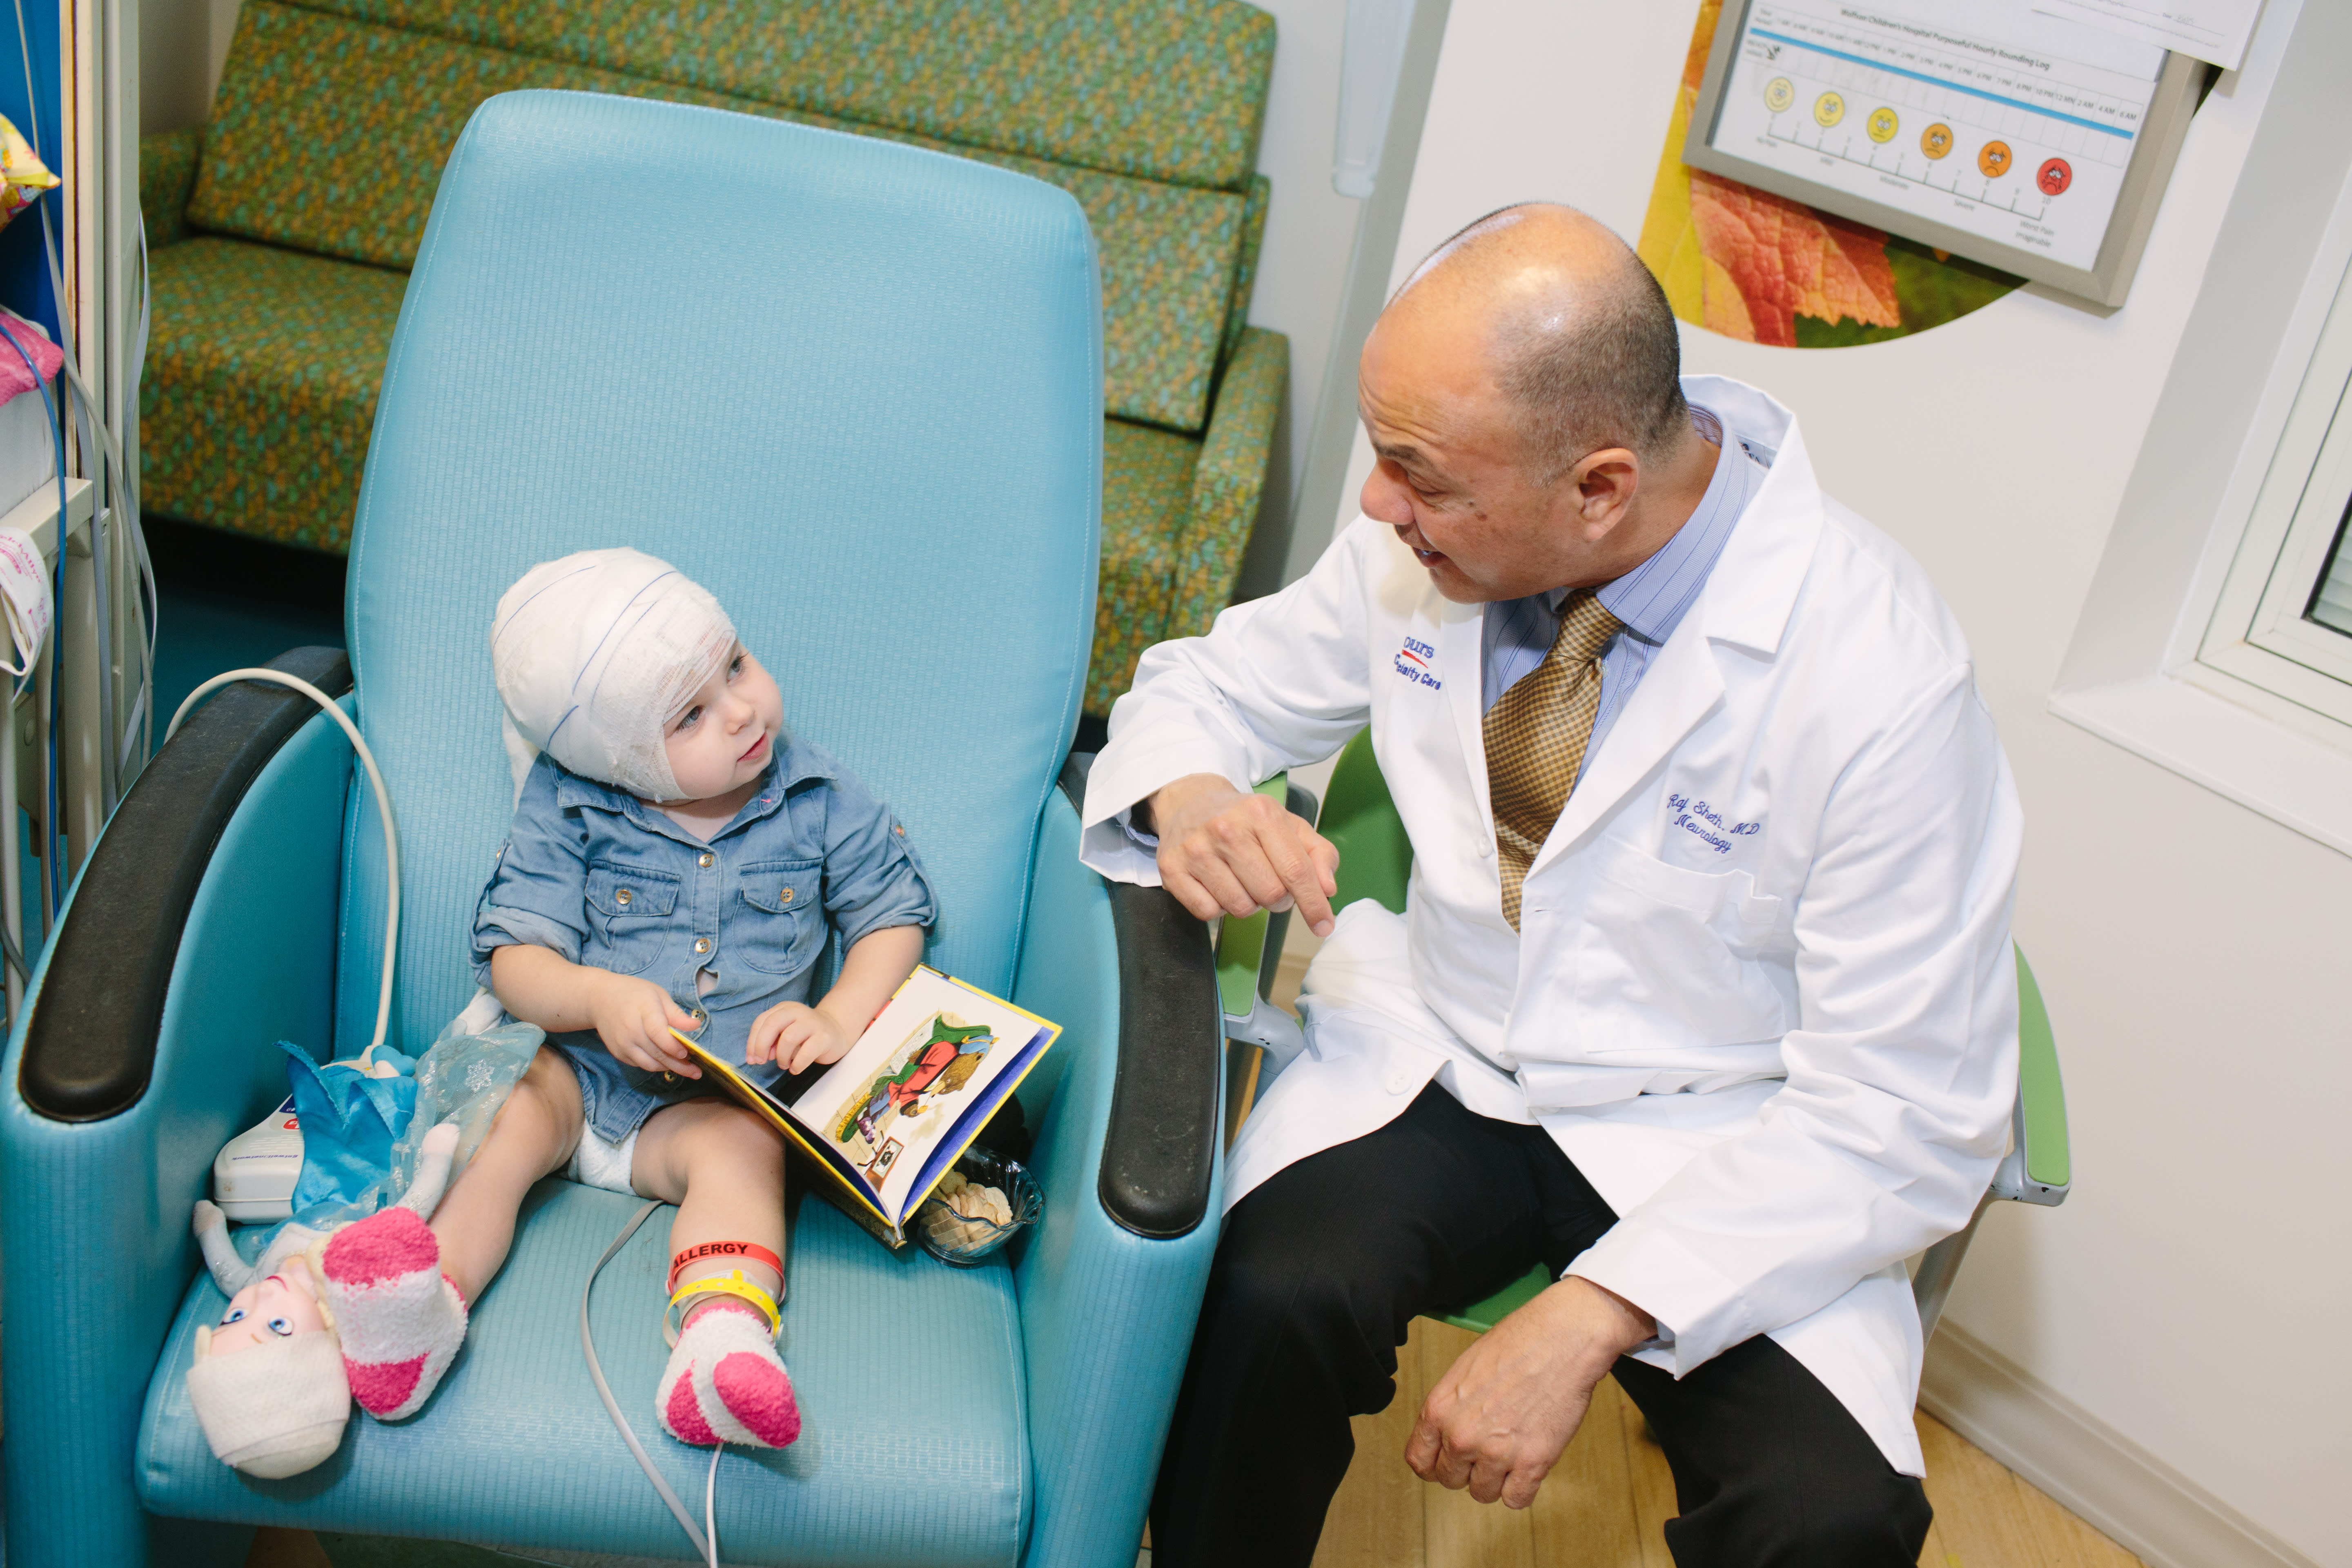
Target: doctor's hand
[
  {"x": 1503, "y": 1414},
  {"x": 1224, "y": 851}
]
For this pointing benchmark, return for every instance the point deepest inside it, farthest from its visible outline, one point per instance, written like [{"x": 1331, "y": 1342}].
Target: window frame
[
  {"x": 2133, "y": 673},
  {"x": 2258, "y": 632}
]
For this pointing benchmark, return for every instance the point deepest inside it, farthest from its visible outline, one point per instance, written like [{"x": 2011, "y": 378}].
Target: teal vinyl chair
[
  {"x": 854, "y": 388},
  {"x": 1376, "y": 862}
]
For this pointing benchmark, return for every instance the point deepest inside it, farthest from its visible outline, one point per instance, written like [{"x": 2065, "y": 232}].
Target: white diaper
[{"x": 599, "y": 1164}]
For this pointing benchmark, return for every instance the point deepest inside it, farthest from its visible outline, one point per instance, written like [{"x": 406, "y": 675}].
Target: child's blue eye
[
  {"x": 235, "y": 1315},
  {"x": 693, "y": 715},
  {"x": 282, "y": 1327},
  {"x": 735, "y": 669}
]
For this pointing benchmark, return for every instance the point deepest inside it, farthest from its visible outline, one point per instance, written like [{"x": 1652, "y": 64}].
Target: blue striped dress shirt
[{"x": 1651, "y": 599}]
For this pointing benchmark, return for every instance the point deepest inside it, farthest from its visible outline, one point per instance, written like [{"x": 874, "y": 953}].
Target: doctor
[{"x": 1703, "y": 997}]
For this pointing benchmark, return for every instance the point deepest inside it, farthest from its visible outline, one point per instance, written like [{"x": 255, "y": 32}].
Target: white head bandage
[{"x": 595, "y": 654}]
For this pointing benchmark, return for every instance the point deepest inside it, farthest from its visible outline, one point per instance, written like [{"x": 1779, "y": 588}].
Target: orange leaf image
[
  {"x": 1745, "y": 263},
  {"x": 1781, "y": 260}
]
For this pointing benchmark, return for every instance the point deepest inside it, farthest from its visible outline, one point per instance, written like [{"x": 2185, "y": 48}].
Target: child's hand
[
  {"x": 798, "y": 1036},
  {"x": 635, "y": 1017}
]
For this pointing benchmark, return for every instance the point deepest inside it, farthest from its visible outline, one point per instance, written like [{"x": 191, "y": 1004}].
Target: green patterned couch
[{"x": 282, "y": 232}]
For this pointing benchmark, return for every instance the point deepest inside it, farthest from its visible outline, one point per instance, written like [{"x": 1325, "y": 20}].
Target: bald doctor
[{"x": 1703, "y": 997}]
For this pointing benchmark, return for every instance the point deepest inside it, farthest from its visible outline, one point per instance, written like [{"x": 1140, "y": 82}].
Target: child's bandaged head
[{"x": 595, "y": 654}]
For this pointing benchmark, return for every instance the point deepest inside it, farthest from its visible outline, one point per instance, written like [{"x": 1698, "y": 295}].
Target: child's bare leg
[
  {"x": 399, "y": 1287},
  {"x": 725, "y": 1169},
  {"x": 533, "y": 1136}
]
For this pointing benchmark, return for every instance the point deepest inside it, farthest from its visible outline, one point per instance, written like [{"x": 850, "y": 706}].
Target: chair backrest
[
  {"x": 852, "y": 387},
  {"x": 333, "y": 117},
  {"x": 1360, "y": 819}
]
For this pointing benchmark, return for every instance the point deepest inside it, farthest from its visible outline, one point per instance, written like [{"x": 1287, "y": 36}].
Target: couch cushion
[
  {"x": 1168, "y": 89},
  {"x": 1147, "y": 501},
  {"x": 261, "y": 387},
  {"x": 328, "y": 135},
  {"x": 910, "y": 1376},
  {"x": 1177, "y": 517}
]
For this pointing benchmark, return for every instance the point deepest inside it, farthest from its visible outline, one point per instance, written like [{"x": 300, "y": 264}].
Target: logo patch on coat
[{"x": 1413, "y": 661}]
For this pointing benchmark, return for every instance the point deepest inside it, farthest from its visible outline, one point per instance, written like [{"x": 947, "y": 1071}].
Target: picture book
[{"x": 896, "y": 1113}]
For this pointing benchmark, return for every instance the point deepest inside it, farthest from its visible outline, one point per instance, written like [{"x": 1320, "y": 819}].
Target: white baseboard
[{"x": 2106, "y": 1480}]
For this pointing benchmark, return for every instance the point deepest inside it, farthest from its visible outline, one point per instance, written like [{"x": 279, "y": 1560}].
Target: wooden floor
[{"x": 1604, "y": 1505}]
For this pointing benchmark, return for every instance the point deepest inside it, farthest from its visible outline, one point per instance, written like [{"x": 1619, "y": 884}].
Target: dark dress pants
[{"x": 1320, "y": 1272}]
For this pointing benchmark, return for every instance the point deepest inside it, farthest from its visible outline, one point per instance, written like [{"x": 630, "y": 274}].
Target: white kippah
[
  {"x": 274, "y": 1410},
  {"x": 595, "y": 654}
]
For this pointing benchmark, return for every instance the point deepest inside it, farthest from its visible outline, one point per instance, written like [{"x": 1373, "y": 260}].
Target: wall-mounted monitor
[{"x": 2038, "y": 147}]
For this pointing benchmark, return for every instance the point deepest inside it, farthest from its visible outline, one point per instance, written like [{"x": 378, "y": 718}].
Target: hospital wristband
[
  {"x": 745, "y": 1249},
  {"x": 719, "y": 1284}
]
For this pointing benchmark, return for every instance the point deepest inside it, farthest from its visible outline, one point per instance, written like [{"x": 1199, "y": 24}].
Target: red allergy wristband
[{"x": 749, "y": 1250}]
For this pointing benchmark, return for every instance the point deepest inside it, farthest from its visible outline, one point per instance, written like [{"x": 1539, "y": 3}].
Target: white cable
[
  {"x": 710, "y": 1504},
  {"x": 705, "y": 1546},
  {"x": 127, "y": 481},
  {"x": 383, "y": 808}
]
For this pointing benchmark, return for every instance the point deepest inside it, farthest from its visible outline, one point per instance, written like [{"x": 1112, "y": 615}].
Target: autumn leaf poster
[{"x": 1765, "y": 269}]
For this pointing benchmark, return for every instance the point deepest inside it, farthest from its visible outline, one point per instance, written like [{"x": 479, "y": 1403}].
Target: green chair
[
  {"x": 1375, "y": 861},
  {"x": 283, "y": 232}
]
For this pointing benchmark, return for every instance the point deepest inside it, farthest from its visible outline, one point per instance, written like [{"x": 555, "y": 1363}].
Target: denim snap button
[
  {"x": 704, "y": 859},
  {"x": 623, "y": 898},
  {"x": 702, "y": 945}
]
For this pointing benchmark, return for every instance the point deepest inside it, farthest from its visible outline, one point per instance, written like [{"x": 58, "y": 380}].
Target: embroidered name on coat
[{"x": 1696, "y": 817}]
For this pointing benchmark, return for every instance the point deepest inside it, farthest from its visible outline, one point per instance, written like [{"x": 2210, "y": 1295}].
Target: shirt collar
[
  {"x": 1651, "y": 599},
  {"x": 794, "y": 764}
]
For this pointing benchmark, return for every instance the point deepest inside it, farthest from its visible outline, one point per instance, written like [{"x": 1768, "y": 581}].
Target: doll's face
[
  {"x": 728, "y": 730},
  {"x": 268, "y": 1311}
]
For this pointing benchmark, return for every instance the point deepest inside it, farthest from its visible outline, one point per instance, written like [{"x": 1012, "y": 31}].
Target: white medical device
[{"x": 255, "y": 1172}]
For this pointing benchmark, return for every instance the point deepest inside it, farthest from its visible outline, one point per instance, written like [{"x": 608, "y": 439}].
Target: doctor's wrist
[
  {"x": 1611, "y": 1324},
  {"x": 1165, "y": 811}
]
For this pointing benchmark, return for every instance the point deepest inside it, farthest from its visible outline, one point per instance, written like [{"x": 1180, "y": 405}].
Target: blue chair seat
[{"x": 910, "y": 1376}]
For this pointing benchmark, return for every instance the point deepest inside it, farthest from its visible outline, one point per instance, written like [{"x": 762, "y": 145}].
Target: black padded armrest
[
  {"x": 1160, "y": 1150},
  {"x": 89, "y": 1049}
]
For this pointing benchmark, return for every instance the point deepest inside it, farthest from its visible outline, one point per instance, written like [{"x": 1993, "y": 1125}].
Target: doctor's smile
[{"x": 1573, "y": 1023}]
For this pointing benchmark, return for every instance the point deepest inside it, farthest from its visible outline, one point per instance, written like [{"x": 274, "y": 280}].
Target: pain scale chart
[{"x": 2010, "y": 142}]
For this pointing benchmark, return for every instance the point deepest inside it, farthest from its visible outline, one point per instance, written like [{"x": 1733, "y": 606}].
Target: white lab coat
[{"x": 1763, "y": 993}]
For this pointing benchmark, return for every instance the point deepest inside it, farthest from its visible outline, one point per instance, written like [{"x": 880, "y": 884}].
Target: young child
[{"x": 675, "y": 862}]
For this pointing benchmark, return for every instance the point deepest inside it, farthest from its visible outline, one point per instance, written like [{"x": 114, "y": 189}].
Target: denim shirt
[{"x": 605, "y": 879}]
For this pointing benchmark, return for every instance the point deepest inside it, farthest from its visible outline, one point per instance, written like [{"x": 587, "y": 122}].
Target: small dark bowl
[{"x": 953, "y": 1239}]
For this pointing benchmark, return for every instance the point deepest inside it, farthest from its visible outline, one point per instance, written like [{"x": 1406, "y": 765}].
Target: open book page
[
  {"x": 855, "y": 1195},
  {"x": 911, "y": 1093}
]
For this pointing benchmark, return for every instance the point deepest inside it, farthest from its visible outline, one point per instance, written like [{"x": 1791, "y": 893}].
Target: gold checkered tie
[{"x": 1536, "y": 735}]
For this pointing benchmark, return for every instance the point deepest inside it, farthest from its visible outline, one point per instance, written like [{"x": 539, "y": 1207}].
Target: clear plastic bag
[{"x": 465, "y": 1078}]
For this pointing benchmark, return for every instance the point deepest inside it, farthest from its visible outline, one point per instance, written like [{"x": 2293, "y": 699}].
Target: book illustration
[
  {"x": 888, "y": 1120},
  {"x": 924, "y": 1078}
]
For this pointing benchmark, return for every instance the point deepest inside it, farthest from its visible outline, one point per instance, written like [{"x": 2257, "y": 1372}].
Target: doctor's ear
[{"x": 1604, "y": 483}]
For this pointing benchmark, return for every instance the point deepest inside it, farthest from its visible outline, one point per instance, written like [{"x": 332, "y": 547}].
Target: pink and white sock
[
  {"x": 400, "y": 1320},
  {"x": 725, "y": 1382}
]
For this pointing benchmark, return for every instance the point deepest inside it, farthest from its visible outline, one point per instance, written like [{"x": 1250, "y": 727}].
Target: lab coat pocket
[
  {"x": 629, "y": 908},
  {"x": 779, "y": 927},
  {"x": 1674, "y": 958}
]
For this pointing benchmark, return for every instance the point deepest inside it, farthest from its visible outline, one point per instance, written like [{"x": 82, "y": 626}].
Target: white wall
[
  {"x": 2190, "y": 1295},
  {"x": 1309, "y": 229},
  {"x": 182, "y": 44}
]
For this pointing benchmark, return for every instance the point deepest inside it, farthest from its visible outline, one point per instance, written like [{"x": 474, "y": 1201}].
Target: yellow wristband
[{"x": 732, "y": 1284}]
